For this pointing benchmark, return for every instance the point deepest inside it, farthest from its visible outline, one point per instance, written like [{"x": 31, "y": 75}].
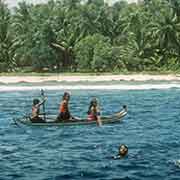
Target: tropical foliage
[{"x": 90, "y": 36}]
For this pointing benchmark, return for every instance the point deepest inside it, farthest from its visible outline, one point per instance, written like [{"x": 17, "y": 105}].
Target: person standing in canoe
[
  {"x": 94, "y": 112},
  {"x": 64, "y": 113},
  {"x": 36, "y": 111}
]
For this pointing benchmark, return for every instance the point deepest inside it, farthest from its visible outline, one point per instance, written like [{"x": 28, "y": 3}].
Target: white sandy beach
[{"x": 90, "y": 78}]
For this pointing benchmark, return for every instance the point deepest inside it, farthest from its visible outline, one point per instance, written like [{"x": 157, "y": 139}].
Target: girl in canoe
[
  {"x": 94, "y": 112},
  {"x": 36, "y": 111},
  {"x": 64, "y": 113}
]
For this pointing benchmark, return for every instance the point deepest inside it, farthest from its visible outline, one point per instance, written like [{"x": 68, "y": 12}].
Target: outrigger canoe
[{"x": 50, "y": 120}]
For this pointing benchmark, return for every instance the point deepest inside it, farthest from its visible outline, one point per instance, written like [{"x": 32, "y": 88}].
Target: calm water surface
[{"x": 151, "y": 130}]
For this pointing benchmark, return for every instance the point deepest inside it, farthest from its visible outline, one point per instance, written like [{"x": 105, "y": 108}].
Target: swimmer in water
[{"x": 123, "y": 151}]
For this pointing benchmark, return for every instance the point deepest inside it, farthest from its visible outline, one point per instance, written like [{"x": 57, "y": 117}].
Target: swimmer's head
[{"x": 123, "y": 150}]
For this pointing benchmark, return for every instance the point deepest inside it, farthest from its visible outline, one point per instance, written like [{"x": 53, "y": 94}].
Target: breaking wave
[{"x": 90, "y": 87}]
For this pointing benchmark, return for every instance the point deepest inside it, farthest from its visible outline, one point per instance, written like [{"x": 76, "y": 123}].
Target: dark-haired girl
[
  {"x": 36, "y": 111},
  {"x": 94, "y": 112}
]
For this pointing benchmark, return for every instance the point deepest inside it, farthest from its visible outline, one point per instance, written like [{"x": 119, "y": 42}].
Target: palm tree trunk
[{"x": 64, "y": 52}]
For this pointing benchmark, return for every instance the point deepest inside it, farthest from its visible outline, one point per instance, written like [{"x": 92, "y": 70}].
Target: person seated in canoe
[
  {"x": 123, "y": 151},
  {"x": 94, "y": 112},
  {"x": 35, "y": 118},
  {"x": 64, "y": 113}
]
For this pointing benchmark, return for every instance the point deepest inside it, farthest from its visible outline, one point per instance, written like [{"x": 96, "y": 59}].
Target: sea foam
[{"x": 90, "y": 87}]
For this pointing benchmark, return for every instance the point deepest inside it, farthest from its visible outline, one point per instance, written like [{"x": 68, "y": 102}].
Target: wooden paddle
[{"x": 44, "y": 110}]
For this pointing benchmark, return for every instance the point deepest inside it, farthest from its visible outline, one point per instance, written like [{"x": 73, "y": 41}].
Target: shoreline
[{"x": 87, "y": 78}]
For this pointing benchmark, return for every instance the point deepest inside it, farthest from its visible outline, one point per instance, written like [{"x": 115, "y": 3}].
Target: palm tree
[
  {"x": 7, "y": 45},
  {"x": 166, "y": 32},
  {"x": 175, "y": 4},
  {"x": 69, "y": 32}
]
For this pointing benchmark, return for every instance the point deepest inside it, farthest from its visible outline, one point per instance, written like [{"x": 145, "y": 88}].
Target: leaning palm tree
[{"x": 68, "y": 33}]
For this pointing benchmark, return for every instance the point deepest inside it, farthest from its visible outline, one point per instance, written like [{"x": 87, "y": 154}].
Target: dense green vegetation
[{"x": 90, "y": 36}]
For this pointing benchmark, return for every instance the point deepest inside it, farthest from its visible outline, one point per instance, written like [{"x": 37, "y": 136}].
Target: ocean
[{"x": 151, "y": 130}]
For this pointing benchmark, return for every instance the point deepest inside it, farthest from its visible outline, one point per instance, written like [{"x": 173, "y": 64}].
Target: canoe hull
[{"x": 116, "y": 118}]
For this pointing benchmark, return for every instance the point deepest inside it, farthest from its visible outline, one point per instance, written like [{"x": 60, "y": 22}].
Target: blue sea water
[{"x": 151, "y": 130}]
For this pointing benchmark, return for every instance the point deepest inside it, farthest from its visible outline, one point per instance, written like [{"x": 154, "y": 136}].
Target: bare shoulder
[{"x": 64, "y": 102}]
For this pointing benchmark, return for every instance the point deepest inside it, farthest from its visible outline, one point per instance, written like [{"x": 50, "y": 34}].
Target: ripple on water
[{"x": 150, "y": 130}]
